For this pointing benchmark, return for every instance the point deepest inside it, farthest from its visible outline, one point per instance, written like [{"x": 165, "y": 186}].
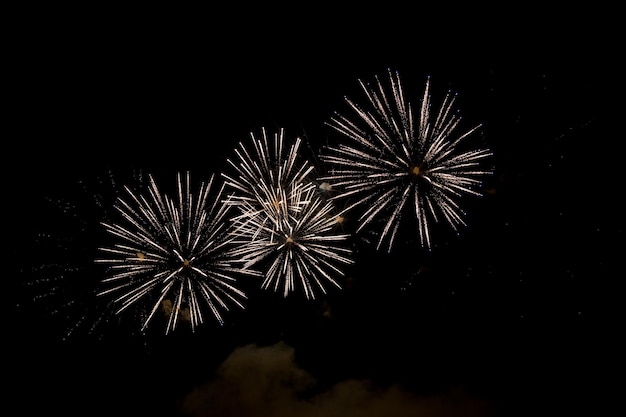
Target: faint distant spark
[
  {"x": 173, "y": 254},
  {"x": 283, "y": 220},
  {"x": 396, "y": 157}
]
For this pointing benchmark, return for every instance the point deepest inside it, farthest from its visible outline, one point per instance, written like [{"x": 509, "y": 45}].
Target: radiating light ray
[
  {"x": 173, "y": 251},
  {"x": 284, "y": 223},
  {"x": 392, "y": 160}
]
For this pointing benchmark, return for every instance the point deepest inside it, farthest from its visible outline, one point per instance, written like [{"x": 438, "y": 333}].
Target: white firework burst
[
  {"x": 396, "y": 157},
  {"x": 270, "y": 164},
  {"x": 284, "y": 222},
  {"x": 173, "y": 255},
  {"x": 295, "y": 235}
]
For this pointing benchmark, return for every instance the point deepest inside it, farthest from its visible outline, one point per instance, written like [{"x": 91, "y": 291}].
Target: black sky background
[{"x": 518, "y": 308}]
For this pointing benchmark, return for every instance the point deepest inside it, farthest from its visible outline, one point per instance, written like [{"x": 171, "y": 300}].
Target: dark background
[{"x": 518, "y": 308}]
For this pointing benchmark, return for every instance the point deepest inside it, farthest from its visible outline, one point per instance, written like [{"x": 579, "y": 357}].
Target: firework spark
[
  {"x": 396, "y": 157},
  {"x": 284, "y": 222},
  {"x": 174, "y": 255},
  {"x": 60, "y": 277}
]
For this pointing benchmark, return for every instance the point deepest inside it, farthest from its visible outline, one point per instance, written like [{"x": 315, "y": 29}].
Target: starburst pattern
[
  {"x": 284, "y": 223},
  {"x": 296, "y": 237},
  {"x": 395, "y": 157},
  {"x": 173, "y": 255},
  {"x": 269, "y": 164}
]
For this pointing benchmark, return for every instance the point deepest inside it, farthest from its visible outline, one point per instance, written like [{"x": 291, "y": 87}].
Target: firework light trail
[
  {"x": 284, "y": 223},
  {"x": 174, "y": 255},
  {"x": 396, "y": 157}
]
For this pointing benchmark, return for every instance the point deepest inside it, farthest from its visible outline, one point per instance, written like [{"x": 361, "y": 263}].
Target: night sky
[{"x": 511, "y": 316}]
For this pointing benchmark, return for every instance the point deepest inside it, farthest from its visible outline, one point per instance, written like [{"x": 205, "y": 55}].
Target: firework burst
[
  {"x": 61, "y": 281},
  {"x": 284, "y": 222},
  {"x": 297, "y": 239},
  {"x": 270, "y": 164},
  {"x": 396, "y": 158},
  {"x": 174, "y": 255}
]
